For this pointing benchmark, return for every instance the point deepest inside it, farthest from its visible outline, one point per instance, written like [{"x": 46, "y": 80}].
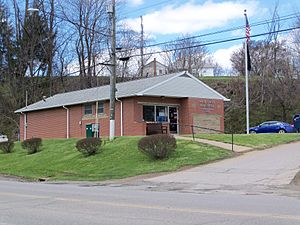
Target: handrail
[{"x": 203, "y": 128}]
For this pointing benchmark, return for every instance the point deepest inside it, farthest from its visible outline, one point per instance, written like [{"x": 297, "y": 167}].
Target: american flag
[
  {"x": 247, "y": 42},
  {"x": 247, "y": 29}
]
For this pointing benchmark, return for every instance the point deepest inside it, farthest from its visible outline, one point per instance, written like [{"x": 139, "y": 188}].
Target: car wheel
[
  {"x": 252, "y": 132},
  {"x": 281, "y": 131}
]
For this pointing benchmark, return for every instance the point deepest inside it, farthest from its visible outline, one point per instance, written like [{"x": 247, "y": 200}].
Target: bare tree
[
  {"x": 273, "y": 65},
  {"x": 89, "y": 19},
  {"x": 295, "y": 48},
  {"x": 128, "y": 43},
  {"x": 186, "y": 54}
]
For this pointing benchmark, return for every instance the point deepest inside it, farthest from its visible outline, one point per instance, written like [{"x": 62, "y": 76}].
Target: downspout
[
  {"x": 96, "y": 120},
  {"x": 25, "y": 125},
  {"x": 68, "y": 112},
  {"x": 121, "y": 115}
]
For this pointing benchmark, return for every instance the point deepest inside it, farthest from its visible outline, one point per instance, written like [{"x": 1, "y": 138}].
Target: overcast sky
[{"x": 168, "y": 20}]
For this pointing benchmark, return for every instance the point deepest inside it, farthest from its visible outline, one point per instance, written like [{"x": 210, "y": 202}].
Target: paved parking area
[{"x": 252, "y": 171}]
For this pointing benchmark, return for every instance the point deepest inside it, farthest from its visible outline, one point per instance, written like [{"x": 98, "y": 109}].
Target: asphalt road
[
  {"x": 32, "y": 204},
  {"x": 216, "y": 199}
]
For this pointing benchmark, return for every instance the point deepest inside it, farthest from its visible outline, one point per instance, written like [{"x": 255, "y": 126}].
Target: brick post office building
[{"x": 176, "y": 101}]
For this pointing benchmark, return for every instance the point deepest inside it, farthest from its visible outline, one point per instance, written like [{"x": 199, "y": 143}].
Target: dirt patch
[
  {"x": 295, "y": 183},
  {"x": 14, "y": 178}
]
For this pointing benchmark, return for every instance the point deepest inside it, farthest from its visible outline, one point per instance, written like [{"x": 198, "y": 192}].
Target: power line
[
  {"x": 195, "y": 46},
  {"x": 64, "y": 18},
  {"x": 259, "y": 23},
  {"x": 219, "y": 42},
  {"x": 147, "y": 7},
  {"x": 287, "y": 17},
  {"x": 81, "y": 70},
  {"x": 94, "y": 30}
]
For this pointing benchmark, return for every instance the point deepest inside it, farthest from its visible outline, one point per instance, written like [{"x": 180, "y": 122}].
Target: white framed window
[
  {"x": 149, "y": 113},
  {"x": 100, "y": 107},
  {"x": 88, "y": 109},
  {"x": 161, "y": 114},
  {"x": 155, "y": 113}
]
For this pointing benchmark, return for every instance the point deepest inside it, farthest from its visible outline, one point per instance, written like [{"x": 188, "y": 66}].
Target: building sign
[{"x": 208, "y": 105}]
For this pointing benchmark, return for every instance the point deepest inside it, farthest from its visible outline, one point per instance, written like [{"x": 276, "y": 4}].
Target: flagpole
[
  {"x": 246, "y": 77},
  {"x": 247, "y": 88}
]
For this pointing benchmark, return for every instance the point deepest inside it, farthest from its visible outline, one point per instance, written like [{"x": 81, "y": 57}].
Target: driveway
[{"x": 256, "y": 171}]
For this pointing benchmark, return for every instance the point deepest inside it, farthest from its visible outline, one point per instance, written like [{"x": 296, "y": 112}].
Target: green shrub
[
  {"x": 158, "y": 146},
  {"x": 89, "y": 146},
  {"x": 32, "y": 145},
  {"x": 7, "y": 147}
]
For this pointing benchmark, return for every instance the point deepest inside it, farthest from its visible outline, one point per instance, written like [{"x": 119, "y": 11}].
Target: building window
[
  {"x": 161, "y": 114},
  {"x": 88, "y": 109},
  {"x": 148, "y": 113},
  {"x": 100, "y": 107},
  {"x": 152, "y": 113}
]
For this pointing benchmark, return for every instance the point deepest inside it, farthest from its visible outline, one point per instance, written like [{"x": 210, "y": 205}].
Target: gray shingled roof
[{"x": 180, "y": 84}]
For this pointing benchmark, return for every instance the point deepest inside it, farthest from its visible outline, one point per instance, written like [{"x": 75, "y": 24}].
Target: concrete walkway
[{"x": 236, "y": 148}]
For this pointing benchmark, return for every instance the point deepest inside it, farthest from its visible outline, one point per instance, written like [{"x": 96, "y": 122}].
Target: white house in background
[
  {"x": 206, "y": 71},
  {"x": 155, "y": 68}
]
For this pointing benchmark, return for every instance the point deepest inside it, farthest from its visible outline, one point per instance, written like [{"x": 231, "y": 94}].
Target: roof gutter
[
  {"x": 121, "y": 115},
  {"x": 68, "y": 116}
]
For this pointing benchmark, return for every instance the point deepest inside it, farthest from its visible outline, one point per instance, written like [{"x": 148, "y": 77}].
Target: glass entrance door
[{"x": 173, "y": 117}]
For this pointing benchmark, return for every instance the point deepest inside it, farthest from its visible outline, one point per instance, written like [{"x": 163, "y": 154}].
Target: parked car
[
  {"x": 296, "y": 122},
  {"x": 272, "y": 127},
  {"x": 3, "y": 138}
]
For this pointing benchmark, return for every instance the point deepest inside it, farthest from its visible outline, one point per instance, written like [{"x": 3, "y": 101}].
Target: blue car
[{"x": 272, "y": 127}]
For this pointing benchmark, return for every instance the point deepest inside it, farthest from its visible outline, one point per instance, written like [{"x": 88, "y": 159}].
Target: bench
[{"x": 156, "y": 128}]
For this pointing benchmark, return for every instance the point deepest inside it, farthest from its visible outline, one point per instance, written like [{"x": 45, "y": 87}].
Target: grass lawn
[
  {"x": 60, "y": 160},
  {"x": 253, "y": 140}
]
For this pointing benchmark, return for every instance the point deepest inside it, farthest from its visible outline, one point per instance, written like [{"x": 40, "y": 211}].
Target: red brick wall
[
  {"x": 49, "y": 123},
  {"x": 184, "y": 116},
  {"x": 21, "y": 127},
  {"x": 132, "y": 121},
  {"x": 203, "y": 108},
  {"x": 52, "y": 123},
  {"x": 79, "y": 120},
  {"x": 75, "y": 123}
]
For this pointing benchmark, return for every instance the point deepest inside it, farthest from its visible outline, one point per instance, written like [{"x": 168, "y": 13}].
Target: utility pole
[
  {"x": 112, "y": 12},
  {"x": 142, "y": 47},
  {"x": 96, "y": 134},
  {"x": 96, "y": 114}
]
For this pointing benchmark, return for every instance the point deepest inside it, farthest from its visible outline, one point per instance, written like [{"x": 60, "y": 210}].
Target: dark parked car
[
  {"x": 272, "y": 127},
  {"x": 296, "y": 122}
]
